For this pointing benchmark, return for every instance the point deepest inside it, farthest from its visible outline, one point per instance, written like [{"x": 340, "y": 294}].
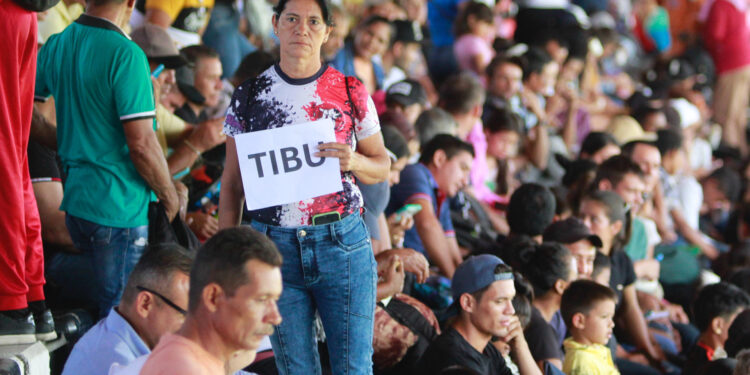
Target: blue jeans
[
  {"x": 99, "y": 273},
  {"x": 329, "y": 268}
]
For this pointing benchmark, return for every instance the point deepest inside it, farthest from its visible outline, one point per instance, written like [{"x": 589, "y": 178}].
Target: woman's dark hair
[
  {"x": 579, "y": 174},
  {"x": 394, "y": 141},
  {"x": 596, "y": 141},
  {"x": 450, "y": 144},
  {"x": 544, "y": 264},
  {"x": 325, "y": 10},
  {"x": 502, "y": 180},
  {"x": 530, "y": 210},
  {"x": 718, "y": 300},
  {"x": 522, "y": 301},
  {"x": 501, "y": 119},
  {"x": 480, "y": 12},
  {"x": 561, "y": 201},
  {"x": 615, "y": 209},
  {"x": 601, "y": 263}
]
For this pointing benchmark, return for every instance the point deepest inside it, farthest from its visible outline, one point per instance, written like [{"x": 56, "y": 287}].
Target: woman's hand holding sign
[
  {"x": 348, "y": 159},
  {"x": 370, "y": 163}
]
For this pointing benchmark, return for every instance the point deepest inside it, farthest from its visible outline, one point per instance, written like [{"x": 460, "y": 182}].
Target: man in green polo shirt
[{"x": 105, "y": 108}]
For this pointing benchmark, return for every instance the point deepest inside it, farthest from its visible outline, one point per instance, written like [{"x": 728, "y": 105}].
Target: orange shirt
[{"x": 176, "y": 354}]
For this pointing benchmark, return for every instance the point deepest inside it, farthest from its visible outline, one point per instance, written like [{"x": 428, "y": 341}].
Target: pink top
[
  {"x": 468, "y": 46},
  {"x": 176, "y": 354},
  {"x": 479, "y": 169},
  {"x": 727, "y": 37}
]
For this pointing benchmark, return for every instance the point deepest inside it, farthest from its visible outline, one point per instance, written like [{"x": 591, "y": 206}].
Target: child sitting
[
  {"x": 588, "y": 309},
  {"x": 714, "y": 312}
]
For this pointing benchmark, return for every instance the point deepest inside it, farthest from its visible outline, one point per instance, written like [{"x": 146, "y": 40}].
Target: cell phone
[
  {"x": 654, "y": 315},
  {"x": 409, "y": 209},
  {"x": 158, "y": 71}
]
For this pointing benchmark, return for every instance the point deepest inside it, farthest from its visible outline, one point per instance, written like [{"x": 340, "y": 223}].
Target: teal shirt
[
  {"x": 100, "y": 79},
  {"x": 636, "y": 247}
]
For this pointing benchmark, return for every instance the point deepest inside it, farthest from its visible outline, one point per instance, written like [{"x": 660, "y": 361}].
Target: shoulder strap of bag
[
  {"x": 355, "y": 112},
  {"x": 409, "y": 316}
]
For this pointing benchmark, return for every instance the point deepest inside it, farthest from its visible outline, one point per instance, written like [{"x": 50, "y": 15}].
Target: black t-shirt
[
  {"x": 541, "y": 337},
  {"x": 43, "y": 164},
  {"x": 450, "y": 349},
  {"x": 623, "y": 273},
  {"x": 697, "y": 359}
]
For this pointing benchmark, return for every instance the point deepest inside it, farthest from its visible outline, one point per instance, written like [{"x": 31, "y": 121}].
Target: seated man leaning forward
[
  {"x": 482, "y": 294},
  {"x": 443, "y": 170},
  {"x": 234, "y": 286},
  {"x": 152, "y": 305}
]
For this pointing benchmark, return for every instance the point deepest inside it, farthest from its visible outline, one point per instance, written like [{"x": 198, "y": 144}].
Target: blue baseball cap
[{"x": 476, "y": 273}]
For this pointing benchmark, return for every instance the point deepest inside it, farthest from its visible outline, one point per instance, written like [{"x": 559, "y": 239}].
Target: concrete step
[{"x": 27, "y": 359}]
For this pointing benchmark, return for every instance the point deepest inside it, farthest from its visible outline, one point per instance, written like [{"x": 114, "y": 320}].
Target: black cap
[
  {"x": 679, "y": 69},
  {"x": 570, "y": 230},
  {"x": 185, "y": 77},
  {"x": 406, "y": 93},
  {"x": 407, "y": 32}
]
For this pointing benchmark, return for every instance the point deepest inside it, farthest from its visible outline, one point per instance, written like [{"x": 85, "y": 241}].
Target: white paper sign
[{"x": 279, "y": 166}]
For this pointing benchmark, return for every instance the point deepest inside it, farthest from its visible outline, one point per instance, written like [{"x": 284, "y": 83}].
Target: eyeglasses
[{"x": 165, "y": 299}]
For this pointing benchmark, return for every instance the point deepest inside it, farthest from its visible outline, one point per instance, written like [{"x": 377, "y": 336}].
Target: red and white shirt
[{"x": 273, "y": 100}]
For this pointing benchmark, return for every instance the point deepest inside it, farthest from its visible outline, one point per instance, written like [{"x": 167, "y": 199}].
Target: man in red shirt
[
  {"x": 21, "y": 257},
  {"x": 727, "y": 38}
]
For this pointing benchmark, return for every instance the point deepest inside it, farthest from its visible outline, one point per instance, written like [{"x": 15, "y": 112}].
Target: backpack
[{"x": 402, "y": 311}]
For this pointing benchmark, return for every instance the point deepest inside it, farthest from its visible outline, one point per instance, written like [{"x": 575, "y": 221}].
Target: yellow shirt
[
  {"x": 593, "y": 359},
  {"x": 188, "y": 15},
  {"x": 57, "y": 19},
  {"x": 168, "y": 126}
]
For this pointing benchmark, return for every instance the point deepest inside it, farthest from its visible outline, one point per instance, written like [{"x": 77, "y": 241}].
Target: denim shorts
[{"x": 330, "y": 269}]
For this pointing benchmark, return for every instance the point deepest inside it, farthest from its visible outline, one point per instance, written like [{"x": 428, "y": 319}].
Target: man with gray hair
[
  {"x": 462, "y": 96},
  {"x": 153, "y": 304},
  {"x": 432, "y": 122}
]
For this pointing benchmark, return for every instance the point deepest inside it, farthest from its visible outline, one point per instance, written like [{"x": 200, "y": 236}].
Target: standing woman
[{"x": 328, "y": 260}]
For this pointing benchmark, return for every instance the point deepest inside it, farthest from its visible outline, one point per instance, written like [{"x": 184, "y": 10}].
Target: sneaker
[
  {"x": 17, "y": 329},
  {"x": 45, "y": 326}
]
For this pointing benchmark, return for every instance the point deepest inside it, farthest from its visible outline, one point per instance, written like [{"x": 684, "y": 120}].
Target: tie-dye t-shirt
[{"x": 273, "y": 100}]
